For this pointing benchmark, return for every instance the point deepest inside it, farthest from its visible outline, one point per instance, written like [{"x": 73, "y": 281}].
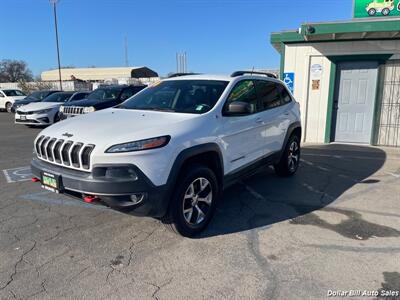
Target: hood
[
  {"x": 114, "y": 126},
  {"x": 39, "y": 106},
  {"x": 85, "y": 102},
  {"x": 27, "y": 101}
]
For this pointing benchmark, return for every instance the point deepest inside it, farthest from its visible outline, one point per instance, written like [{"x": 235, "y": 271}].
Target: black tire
[
  {"x": 176, "y": 219},
  {"x": 57, "y": 117},
  {"x": 385, "y": 11},
  {"x": 289, "y": 162},
  {"x": 8, "y": 107},
  {"x": 372, "y": 12}
]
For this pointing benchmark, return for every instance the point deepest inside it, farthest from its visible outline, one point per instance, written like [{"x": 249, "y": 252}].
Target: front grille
[
  {"x": 23, "y": 113},
  {"x": 70, "y": 154},
  {"x": 72, "y": 110}
]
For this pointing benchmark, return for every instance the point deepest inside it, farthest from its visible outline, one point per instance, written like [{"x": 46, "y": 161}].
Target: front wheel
[
  {"x": 290, "y": 159},
  {"x": 8, "y": 107},
  {"x": 193, "y": 203},
  {"x": 372, "y": 12},
  {"x": 57, "y": 117}
]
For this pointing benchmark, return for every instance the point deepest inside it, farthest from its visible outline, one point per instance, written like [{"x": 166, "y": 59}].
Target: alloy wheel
[
  {"x": 293, "y": 156},
  {"x": 197, "y": 201}
]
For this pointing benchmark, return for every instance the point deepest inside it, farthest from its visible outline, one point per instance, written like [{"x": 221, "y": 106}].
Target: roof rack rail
[
  {"x": 181, "y": 74},
  {"x": 240, "y": 73}
]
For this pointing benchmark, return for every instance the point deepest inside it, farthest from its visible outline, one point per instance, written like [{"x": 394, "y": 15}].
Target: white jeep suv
[{"x": 170, "y": 150}]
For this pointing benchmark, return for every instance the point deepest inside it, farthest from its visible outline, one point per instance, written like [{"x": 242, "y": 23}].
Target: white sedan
[
  {"x": 45, "y": 112},
  {"x": 8, "y": 97}
]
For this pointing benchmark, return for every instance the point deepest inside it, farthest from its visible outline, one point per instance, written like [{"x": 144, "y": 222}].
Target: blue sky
[{"x": 219, "y": 36}]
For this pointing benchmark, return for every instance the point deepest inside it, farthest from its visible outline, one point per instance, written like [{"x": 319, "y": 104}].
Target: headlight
[
  {"x": 43, "y": 111},
  {"x": 147, "y": 144},
  {"x": 88, "y": 109},
  {"x": 61, "y": 109}
]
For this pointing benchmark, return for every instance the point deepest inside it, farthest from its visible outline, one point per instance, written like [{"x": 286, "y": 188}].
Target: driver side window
[{"x": 244, "y": 91}]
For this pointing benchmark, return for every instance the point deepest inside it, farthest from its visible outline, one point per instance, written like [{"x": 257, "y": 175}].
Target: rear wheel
[
  {"x": 385, "y": 11},
  {"x": 193, "y": 202},
  {"x": 8, "y": 107},
  {"x": 290, "y": 159}
]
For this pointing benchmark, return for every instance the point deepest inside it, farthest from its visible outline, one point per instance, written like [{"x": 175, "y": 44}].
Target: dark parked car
[
  {"x": 32, "y": 98},
  {"x": 100, "y": 98}
]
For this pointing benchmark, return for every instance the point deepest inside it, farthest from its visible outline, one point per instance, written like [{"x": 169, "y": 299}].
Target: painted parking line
[
  {"x": 18, "y": 174},
  {"x": 46, "y": 197}
]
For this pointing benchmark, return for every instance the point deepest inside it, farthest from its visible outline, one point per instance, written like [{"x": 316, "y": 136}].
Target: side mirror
[{"x": 238, "y": 108}]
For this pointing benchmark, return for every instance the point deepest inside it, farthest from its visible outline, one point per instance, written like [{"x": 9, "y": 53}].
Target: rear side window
[
  {"x": 286, "y": 98},
  {"x": 244, "y": 91},
  {"x": 271, "y": 94}
]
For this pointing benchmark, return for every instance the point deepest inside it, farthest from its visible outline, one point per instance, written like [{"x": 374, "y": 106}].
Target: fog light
[
  {"x": 137, "y": 198},
  {"x": 121, "y": 173}
]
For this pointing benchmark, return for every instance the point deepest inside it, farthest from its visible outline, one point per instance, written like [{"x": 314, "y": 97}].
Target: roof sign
[{"x": 376, "y": 8}]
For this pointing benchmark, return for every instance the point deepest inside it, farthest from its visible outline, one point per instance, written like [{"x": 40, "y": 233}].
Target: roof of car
[
  {"x": 202, "y": 77},
  {"x": 220, "y": 77}
]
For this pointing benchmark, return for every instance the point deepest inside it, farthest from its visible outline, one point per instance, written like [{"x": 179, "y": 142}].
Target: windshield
[
  {"x": 58, "y": 97},
  {"x": 105, "y": 94},
  {"x": 39, "y": 95},
  {"x": 183, "y": 96},
  {"x": 13, "y": 93}
]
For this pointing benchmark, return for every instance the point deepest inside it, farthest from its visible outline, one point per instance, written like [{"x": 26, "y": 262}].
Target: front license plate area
[
  {"x": 23, "y": 118},
  {"x": 51, "y": 182}
]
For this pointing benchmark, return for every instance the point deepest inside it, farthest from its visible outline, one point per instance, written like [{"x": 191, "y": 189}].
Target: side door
[
  {"x": 274, "y": 114},
  {"x": 2, "y": 100},
  {"x": 240, "y": 133}
]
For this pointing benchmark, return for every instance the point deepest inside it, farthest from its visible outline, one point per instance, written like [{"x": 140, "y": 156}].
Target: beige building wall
[{"x": 314, "y": 102}]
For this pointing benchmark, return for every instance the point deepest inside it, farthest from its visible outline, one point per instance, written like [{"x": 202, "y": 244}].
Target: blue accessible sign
[{"x": 288, "y": 79}]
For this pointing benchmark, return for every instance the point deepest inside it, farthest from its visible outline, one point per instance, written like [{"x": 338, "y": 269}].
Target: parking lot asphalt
[{"x": 335, "y": 225}]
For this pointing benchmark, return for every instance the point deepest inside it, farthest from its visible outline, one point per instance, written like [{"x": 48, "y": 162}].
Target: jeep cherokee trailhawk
[{"x": 169, "y": 151}]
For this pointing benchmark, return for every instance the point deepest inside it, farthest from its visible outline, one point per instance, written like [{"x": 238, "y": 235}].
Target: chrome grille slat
[
  {"x": 37, "y": 145},
  {"x": 67, "y": 153},
  {"x": 43, "y": 146},
  {"x": 49, "y": 149},
  {"x": 73, "y": 110},
  {"x": 75, "y": 161}
]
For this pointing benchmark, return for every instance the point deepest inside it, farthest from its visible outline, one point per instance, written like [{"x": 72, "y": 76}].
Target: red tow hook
[
  {"x": 90, "y": 198},
  {"x": 34, "y": 179}
]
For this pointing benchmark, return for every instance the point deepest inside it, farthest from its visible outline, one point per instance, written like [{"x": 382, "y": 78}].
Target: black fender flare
[
  {"x": 184, "y": 156},
  {"x": 292, "y": 127}
]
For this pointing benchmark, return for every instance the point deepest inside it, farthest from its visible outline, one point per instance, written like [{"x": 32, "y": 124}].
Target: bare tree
[{"x": 14, "y": 71}]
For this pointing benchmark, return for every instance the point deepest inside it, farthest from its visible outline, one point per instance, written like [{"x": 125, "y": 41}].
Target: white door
[
  {"x": 2, "y": 100},
  {"x": 240, "y": 135},
  {"x": 274, "y": 114},
  {"x": 355, "y": 100}
]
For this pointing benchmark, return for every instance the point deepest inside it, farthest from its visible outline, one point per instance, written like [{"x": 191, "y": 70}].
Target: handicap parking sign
[{"x": 288, "y": 79}]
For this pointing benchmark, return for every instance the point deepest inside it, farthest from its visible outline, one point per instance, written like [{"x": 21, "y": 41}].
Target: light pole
[{"x": 54, "y": 3}]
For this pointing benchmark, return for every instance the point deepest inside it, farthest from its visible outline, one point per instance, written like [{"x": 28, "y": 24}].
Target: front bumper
[
  {"x": 112, "y": 191},
  {"x": 33, "y": 119}
]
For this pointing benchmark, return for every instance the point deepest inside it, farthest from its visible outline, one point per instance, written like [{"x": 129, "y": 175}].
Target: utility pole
[
  {"x": 126, "y": 52},
  {"x": 54, "y": 3}
]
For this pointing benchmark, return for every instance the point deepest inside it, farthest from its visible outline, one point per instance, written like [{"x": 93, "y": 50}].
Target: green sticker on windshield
[{"x": 199, "y": 107}]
